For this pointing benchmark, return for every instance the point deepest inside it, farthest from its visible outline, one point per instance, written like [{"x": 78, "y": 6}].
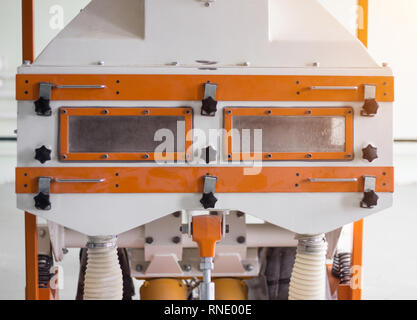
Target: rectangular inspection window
[
  {"x": 289, "y": 133},
  {"x": 124, "y": 134}
]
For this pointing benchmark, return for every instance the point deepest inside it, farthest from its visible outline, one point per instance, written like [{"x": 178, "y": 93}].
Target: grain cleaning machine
[{"x": 164, "y": 127}]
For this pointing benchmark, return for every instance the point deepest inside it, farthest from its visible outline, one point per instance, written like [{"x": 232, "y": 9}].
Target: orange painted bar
[
  {"x": 190, "y": 179},
  {"x": 28, "y": 42},
  {"x": 31, "y": 247},
  {"x": 191, "y": 87}
]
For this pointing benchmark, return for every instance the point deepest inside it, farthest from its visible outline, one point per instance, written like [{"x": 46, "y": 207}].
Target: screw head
[
  {"x": 149, "y": 240},
  {"x": 249, "y": 267},
  {"x": 176, "y": 240},
  {"x": 187, "y": 268},
  {"x": 241, "y": 239},
  {"x": 139, "y": 268}
]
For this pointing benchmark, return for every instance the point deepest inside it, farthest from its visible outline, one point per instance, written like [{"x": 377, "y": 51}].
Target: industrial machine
[{"x": 208, "y": 140}]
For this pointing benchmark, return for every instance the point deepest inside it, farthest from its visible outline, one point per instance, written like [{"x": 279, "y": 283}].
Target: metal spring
[
  {"x": 45, "y": 263},
  {"x": 342, "y": 266}
]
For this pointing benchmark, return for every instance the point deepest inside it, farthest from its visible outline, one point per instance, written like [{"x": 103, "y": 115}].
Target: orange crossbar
[
  {"x": 190, "y": 179},
  {"x": 191, "y": 87}
]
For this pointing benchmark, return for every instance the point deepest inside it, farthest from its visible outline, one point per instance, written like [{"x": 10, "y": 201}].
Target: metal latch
[
  {"x": 42, "y": 200},
  {"x": 42, "y": 105},
  {"x": 370, "y": 198},
  {"x": 370, "y": 108},
  {"x": 209, "y": 200},
  {"x": 209, "y": 107}
]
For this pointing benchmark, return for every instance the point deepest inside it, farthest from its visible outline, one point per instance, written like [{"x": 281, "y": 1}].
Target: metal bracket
[
  {"x": 210, "y": 90},
  {"x": 370, "y": 199},
  {"x": 209, "y": 107},
  {"x": 370, "y": 91},
  {"x": 369, "y": 183},
  {"x": 209, "y": 200},
  {"x": 45, "y": 89},
  {"x": 44, "y": 185},
  {"x": 370, "y": 108},
  {"x": 210, "y": 184}
]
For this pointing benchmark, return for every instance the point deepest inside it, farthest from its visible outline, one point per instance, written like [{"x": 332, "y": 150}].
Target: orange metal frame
[
  {"x": 347, "y": 113},
  {"x": 190, "y": 179},
  {"x": 67, "y": 155},
  {"x": 191, "y": 87}
]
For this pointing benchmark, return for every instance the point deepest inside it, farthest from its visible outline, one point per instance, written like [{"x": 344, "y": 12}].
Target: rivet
[{"x": 241, "y": 239}]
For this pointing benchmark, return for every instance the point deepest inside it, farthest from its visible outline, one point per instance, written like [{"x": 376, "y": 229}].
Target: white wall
[{"x": 393, "y": 39}]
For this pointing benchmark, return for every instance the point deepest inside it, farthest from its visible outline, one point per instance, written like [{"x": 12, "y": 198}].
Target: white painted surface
[{"x": 279, "y": 35}]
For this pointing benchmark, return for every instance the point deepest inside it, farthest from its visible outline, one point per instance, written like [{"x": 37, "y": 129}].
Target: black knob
[
  {"x": 208, "y": 154},
  {"x": 209, "y": 107},
  {"x": 370, "y": 199},
  {"x": 208, "y": 200},
  {"x": 370, "y": 153},
  {"x": 42, "y": 107},
  {"x": 43, "y": 154},
  {"x": 42, "y": 202},
  {"x": 370, "y": 108}
]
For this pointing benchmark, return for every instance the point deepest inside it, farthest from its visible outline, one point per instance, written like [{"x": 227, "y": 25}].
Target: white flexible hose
[
  {"x": 103, "y": 277},
  {"x": 308, "y": 279}
]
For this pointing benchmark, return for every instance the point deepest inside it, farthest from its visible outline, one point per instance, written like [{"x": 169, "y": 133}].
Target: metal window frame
[
  {"x": 347, "y": 112},
  {"x": 66, "y": 112}
]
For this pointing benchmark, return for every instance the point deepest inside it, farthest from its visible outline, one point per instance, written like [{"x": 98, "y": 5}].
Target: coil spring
[
  {"x": 45, "y": 263},
  {"x": 342, "y": 266}
]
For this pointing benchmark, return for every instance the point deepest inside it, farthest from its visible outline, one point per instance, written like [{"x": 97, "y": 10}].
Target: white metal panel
[
  {"x": 35, "y": 131},
  {"x": 157, "y": 32},
  {"x": 104, "y": 214}
]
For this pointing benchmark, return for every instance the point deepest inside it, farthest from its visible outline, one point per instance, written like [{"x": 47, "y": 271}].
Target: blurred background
[{"x": 389, "y": 254}]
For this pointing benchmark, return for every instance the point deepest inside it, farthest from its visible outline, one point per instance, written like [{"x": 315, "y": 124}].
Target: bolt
[
  {"x": 64, "y": 250},
  {"x": 309, "y": 155},
  {"x": 207, "y": 4},
  {"x": 241, "y": 239},
  {"x": 105, "y": 156},
  {"x": 249, "y": 267},
  {"x": 27, "y": 63},
  {"x": 174, "y": 63},
  {"x": 149, "y": 240},
  {"x": 269, "y": 156},
  {"x": 139, "y": 268},
  {"x": 146, "y": 156},
  {"x": 187, "y": 267},
  {"x": 316, "y": 64},
  {"x": 176, "y": 240},
  {"x": 100, "y": 63},
  {"x": 64, "y": 157},
  {"x": 246, "y": 64}
]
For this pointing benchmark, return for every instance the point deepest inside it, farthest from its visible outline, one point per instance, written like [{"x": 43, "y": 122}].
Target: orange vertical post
[
  {"x": 31, "y": 243},
  {"x": 31, "y": 236},
  {"x": 363, "y": 21},
  {"x": 28, "y": 37}
]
